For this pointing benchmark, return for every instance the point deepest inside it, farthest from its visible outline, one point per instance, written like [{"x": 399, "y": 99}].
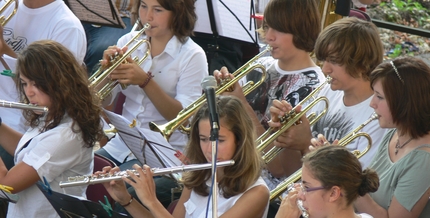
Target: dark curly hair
[{"x": 57, "y": 73}]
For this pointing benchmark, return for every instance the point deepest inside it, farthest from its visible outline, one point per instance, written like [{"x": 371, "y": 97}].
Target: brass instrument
[
  {"x": 16, "y": 105},
  {"x": 100, "y": 81},
  {"x": 289, "y": 120},
  {"x": 342, "y": 142},
  {"x": 95, "y": 179},
  {"x": 167, "y": 129},
  {"x": 327, "y": 10},
  {"x": 3, "y": 19}
]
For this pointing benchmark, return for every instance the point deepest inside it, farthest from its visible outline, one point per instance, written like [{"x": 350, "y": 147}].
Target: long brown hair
[
  {"x": 247, "y": 167},
  {"x": 57, "y": 73}
]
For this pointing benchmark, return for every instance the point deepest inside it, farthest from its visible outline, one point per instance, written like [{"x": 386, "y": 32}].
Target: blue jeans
[{"x": 98, "y": 39}]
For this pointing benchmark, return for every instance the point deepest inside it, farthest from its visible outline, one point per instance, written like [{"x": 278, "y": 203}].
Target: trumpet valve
[{"x": 226, "y": 81}]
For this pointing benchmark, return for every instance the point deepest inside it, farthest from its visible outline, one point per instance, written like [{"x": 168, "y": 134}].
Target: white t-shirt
[
  {"x": 55, "y": 154},
  {"x": 196, "y": 204},
  {"x": 365, "y": 215},
  {"x": 54, "y": 21},
  {"x": 279, "y": 84},
  {"x": 178, "y": 70},
  {"x": 341, "y": 120}
]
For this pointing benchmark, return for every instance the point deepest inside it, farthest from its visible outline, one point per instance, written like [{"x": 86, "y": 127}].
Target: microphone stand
[{"x": 214, "y": 139}]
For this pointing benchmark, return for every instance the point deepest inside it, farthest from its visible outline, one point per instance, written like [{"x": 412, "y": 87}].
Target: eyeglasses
[{"x": 305, "y": 190}]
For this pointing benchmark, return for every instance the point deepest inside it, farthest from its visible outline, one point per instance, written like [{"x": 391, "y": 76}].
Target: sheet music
[
  {"x": 147, "y": 146},
  {"x": 102, "y": 12},
  {"x": 227, "y": 24}
]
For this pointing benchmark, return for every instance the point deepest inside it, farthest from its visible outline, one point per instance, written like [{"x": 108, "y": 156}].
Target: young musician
[
  {"x": 168, "y": 81},
  {"x": 58, "y": 143},
  {"x": 241, "y": 190},
  {"x": 291, "y": 72},
  {"x": 350, "y": 49},
  {"x": 329, "y": 189},
  {"x": 34, "y": 20},
  {"x": 401, "y": 100}
]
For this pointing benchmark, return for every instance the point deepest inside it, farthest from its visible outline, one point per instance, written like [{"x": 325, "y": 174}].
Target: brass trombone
[
  {"x": 100, "y": 81},
  {"x": 167, "y": 129},
  {"x": 342, "y": 142},
  {"x": 3, "y": 19},
  {"x": 289, "y": 120}
]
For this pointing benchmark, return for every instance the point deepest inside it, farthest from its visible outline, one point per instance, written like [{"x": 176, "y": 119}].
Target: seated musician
[
  {"x": 59, "y": 143},
  {"x": 401, "y": 99},
  {"x": 329, "y": 189},
  {"x": 350, "y": 49},
  {"x": 165, "y": 83},
  {"x": 291, "y": 72},
  {"x": 241, "y": 190}
]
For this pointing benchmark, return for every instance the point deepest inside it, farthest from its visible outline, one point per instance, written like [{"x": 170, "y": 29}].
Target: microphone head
[{"x": 209, "y": 82}]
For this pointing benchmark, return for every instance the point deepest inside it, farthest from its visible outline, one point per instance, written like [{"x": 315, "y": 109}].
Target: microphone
[{"x": 209, "y": 84}]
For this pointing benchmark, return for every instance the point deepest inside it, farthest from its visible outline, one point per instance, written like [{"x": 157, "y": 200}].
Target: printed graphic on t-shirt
[
  {"x": 17, "y": 43},
  {"x": 333, "y": 126},
  {"x": 292, "y": 88}
]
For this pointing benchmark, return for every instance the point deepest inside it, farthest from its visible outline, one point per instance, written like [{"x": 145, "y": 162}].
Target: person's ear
[{"x": 335, "y": 193}]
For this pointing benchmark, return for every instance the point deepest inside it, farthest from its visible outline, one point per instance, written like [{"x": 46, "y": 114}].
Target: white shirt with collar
[
  {"x": 54, "y": 21},
  {"x": 178, "y": 70}
]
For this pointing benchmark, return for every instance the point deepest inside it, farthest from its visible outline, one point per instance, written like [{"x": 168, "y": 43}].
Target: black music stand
[
  {"x": 147, "y": 146},
  {"x": 100, "y": 12},
  {"x": 70, "y": 207}
]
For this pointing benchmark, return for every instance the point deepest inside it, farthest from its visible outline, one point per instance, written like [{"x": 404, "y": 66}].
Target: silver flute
[
  {"x": 101, "y": 178},
  {"x": 16, "y": 105}
]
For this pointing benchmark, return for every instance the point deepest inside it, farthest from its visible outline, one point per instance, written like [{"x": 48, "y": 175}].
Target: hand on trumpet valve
[
  {"x": 296, "y": 137},
  {"x": 110, "y": 55},
  {"x": 320, "y": 141},
  {"x": 223, "y": 77},
  {"x": 280, "y": 112}
]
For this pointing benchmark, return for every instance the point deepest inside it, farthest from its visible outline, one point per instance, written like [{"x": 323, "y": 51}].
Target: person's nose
[
  {"x": 372, "y": 102},
  {"x": 326, "y": 68},
  {"x": 269, "y": 35}
]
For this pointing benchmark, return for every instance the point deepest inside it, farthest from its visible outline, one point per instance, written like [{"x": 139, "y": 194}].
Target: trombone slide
[{"x": 92, "y": 179}]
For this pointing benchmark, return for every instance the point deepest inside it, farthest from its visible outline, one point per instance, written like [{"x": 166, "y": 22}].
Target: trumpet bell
[{"x": 167, "y": 129}]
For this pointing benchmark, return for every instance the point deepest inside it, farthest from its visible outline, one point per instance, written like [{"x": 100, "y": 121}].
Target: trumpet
[
  {"x": 95, "y": 179},
  {"x": 342, "y": 142},
  {"x": 34, "y": 108},
  {"x": 167, "y": 129},
  {"x": 100, "y": 81},
  {"x": 291, "y": 119},
  {"x": 3, "y": 19}
]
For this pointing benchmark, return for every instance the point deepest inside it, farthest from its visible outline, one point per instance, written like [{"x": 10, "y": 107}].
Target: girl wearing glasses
[{"x": 332, "y": 179}]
